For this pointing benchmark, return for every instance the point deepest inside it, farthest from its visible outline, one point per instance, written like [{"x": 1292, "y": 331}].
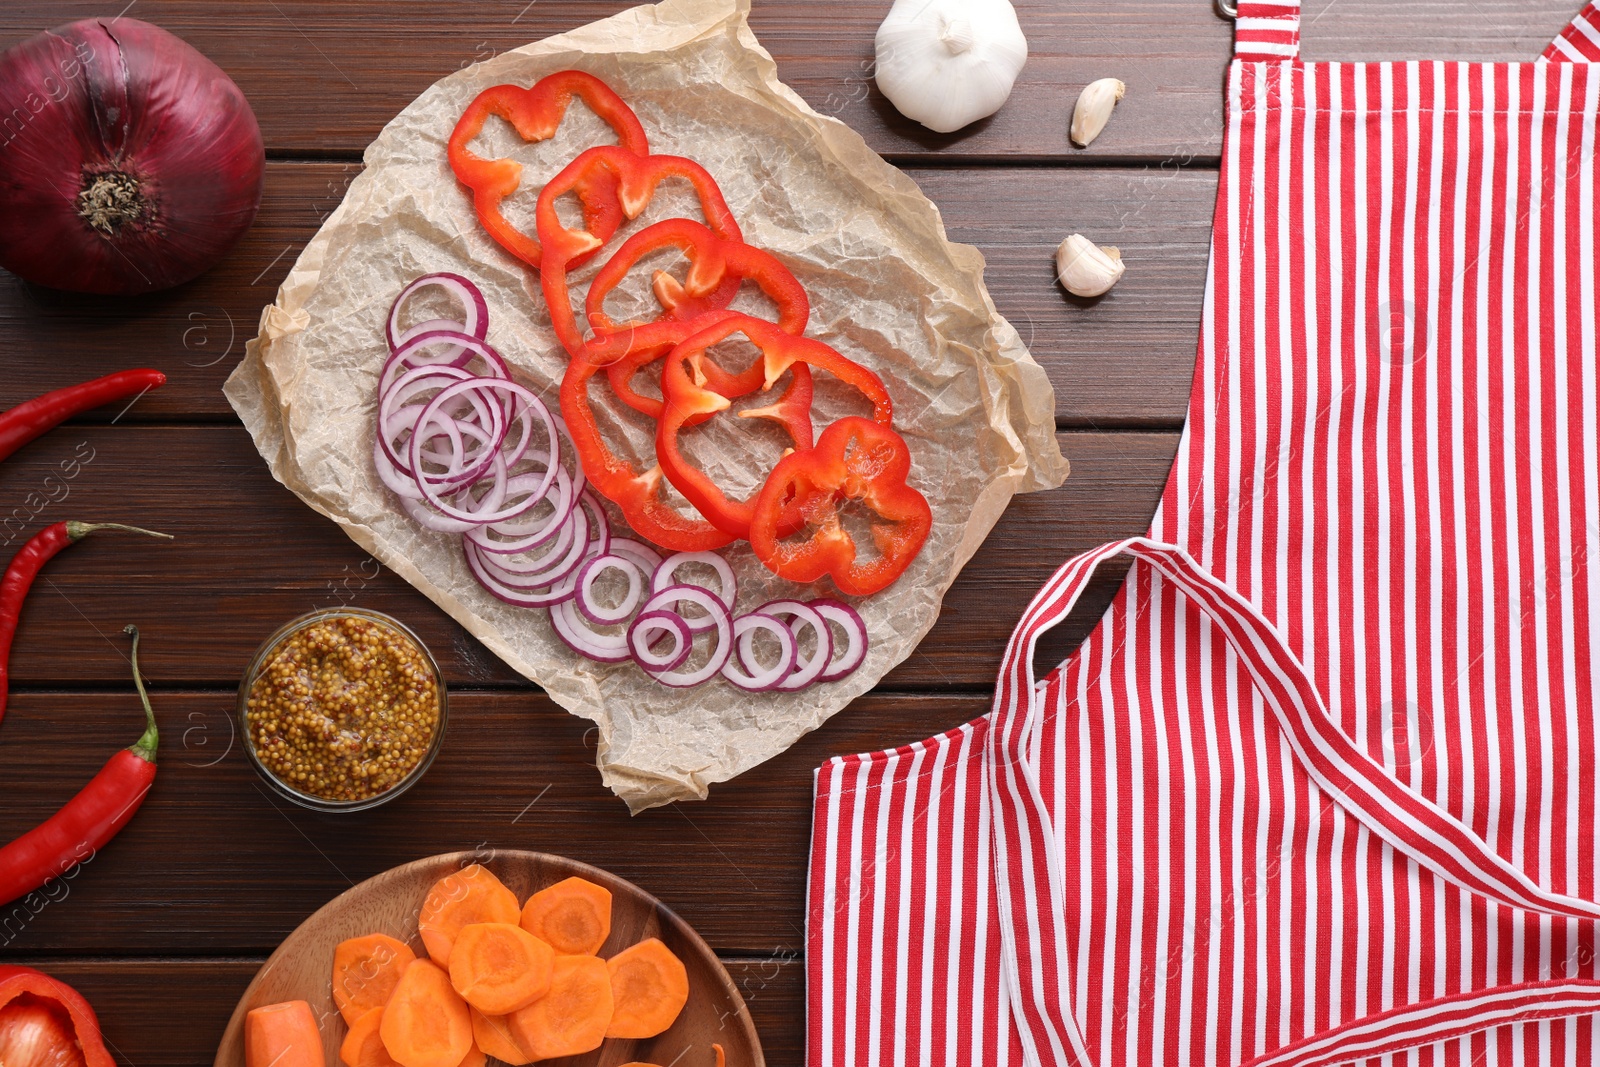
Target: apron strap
[
  {"x": 1030, "y": 873},
  {"x": 1267, "y": 30},
  {"x": 1580, "y": 41}
]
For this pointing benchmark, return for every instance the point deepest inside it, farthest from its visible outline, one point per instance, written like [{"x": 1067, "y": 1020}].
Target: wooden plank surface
[{"x": 324, "y": 78}]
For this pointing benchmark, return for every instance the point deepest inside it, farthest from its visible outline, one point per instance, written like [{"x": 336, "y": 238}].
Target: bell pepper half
[
  {"x": 44, "y": 1019},
  {"x": 686, "y": 396},
  {"x": 854, "y": 459},
  {"x": 536, "y": 113},
  {"x": 633, "y": 180}
]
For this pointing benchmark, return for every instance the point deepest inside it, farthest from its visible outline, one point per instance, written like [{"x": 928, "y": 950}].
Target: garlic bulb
[
  {"x": 1086, "y": 269},
  {"x": 948, "y": 63},
  {"x": 1094, "y": 109}
]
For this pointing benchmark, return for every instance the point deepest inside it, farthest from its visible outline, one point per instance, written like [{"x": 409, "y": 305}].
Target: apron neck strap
[{"x": 1267, "y": 31}]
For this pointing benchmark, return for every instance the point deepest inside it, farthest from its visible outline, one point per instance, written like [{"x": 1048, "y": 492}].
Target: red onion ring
[
  {"x": 458, "y": 350},
  {"x": 721, "y": 620},
  {"x": 640, "y": 639},
  {"x": 727, "y": 595},
  {"x": 592, "y": 609},
  {"x": 576, "y": 631},
  {"x": 855, "y": 630},
  {"x": 742, "y": 669},
  {"x": 474, "y": 309},
  {"x": 806, "y": 670},
  {"x": 531, "y": 406},
  {"x": 647, "y": 558}
]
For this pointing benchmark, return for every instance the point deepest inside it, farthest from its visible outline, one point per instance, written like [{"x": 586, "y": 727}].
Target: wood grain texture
[
  {"x": 249, "y": 557},
  {"x": 390, "y": 903},
  {"x": 214, "y": 864},
  {"x": 324, "y": 78},
  {"x": 171, "y": 1013},
  {"x": 1123, "y": 361}
]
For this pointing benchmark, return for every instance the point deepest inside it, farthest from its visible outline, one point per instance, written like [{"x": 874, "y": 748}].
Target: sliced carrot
[
  {"x": 425, "y": 1023},
  {"x": 365, "y": 970},
  {"x": 721, "y": 1059},
  {"x": 498, "y": 968},
  {"x": 492, "y": 1033},
  {"x": 283, "y": 1035},
  {"x": 573, "y": 916},
  {"x": 572, "y": 1017},
  {"x": 470, "y": 895},
  {"x": 363, "y": 1045},
  {"x": 649, "y": 987}
]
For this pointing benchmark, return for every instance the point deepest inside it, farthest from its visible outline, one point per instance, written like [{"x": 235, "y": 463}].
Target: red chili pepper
[
  {"x": 713, "y": 260},
  {"x": 22, "y": 988},
  {"x": 24, "y": 568},
  {"x": 29, "y": 419},
  {"x": 855, "y": 459},
  {"x": 634, "y": 178},
  {"x": 536, "y": 114},
  {"x": 685, "y": 399},
  {"x": 90, "y": 819}
]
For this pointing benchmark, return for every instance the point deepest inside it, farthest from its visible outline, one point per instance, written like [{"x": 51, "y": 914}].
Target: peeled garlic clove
[
  {"x": 1094, "y": 108},
  {"x": 1086, "y": 269},
  {"x": 949, "y": 63}
]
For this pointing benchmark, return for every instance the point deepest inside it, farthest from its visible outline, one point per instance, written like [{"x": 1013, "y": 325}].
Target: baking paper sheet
[{"x": 887, "y": 289}]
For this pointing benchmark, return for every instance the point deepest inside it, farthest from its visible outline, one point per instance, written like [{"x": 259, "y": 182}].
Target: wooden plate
[{"x": 301, "y": 969}]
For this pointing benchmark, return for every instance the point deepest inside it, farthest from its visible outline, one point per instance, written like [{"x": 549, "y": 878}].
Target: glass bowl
[{"x": 258, "y": 664}]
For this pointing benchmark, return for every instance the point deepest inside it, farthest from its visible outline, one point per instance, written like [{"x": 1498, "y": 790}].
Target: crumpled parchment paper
[{"x": 886, "y": 287}]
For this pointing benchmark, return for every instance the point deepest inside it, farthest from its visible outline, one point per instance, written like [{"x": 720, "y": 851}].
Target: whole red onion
[{"x": 129, "y": 162}]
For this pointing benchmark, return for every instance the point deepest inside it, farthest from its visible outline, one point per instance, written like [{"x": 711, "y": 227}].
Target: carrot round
[
  {"x": 649, "y": 987},
  {"x": 498, "y": 968},
  {"x": 363, "y": 1045},
  {"x": 573, "y": 916},
  {"x": 283, "y": 1035},
  {"x": 470, "y": 895},
  {"x": 492, "y": 1033},
  {"x": 425, "y": 1023},
  {"x": 365, "y": 971},
  {"x": 572, "y": 1017}
]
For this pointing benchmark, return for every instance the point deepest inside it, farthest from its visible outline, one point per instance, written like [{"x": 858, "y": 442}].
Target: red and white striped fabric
[
  {"x": 1580, "y": 41},
  {"x": 1321, "y": 786}
]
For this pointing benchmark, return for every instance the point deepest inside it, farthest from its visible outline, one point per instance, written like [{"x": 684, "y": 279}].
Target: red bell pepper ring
[
  {"x": 686, "y": 399},
  {"x": 713, "y": 261},
  {"x": 637, "y": 493},
  {"x": 781, "y": 351},
  {"x": 24, "y": 985},
  {"x": 708, "y": 373},
  {"x": 633, "y": 180},
  {"x": 536, "y": 114},
  {"x": 854, "y": 459}
]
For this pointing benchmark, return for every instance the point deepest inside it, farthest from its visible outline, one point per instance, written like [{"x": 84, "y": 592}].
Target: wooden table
[{"x": 163, "y": 929}]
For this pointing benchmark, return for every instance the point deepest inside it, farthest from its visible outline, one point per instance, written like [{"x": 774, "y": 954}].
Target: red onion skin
[{"x": 98, "y": 97}]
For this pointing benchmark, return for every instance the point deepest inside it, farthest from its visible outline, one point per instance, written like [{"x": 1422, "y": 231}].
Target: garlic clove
[
  {"x": 1094, "y": 108},
  {"x": 949, "y": 63},
  {"x": 1085, "y": 269}
]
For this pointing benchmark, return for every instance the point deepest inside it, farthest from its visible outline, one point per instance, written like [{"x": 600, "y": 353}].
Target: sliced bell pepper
[
  {"x": 536, "y": 114},
  {"x": 633, "y": 179},
  {"x": 707, "y": 373},
  {"x": 685, "y": 398},
  {"x": 780, "y": 351},
  {"x": 854, "y": 459},
  {"x": 638, "y": 494},
  {"x": 25, "y": 991},
  {"x": 714, "y": 261}
]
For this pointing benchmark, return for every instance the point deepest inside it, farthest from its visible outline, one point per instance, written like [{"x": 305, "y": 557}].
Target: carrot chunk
[
  {"x": 470, "y": 895},
  {"x": 492, "y": 1033},
  {"x": 363, "y": 1045},
  {"x": 573, "y": 916},
  {"x": 283, "y": 1035},
  {"x": 365, "y": 971},
  {"x": 649, "y": 987},
  {"x": 572, "y": 1017},
  {"x": 498, "y": 967},
  {"x": 425, "y": 1023}
]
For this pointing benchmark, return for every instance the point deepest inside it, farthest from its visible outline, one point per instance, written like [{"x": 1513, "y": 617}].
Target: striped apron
[{"x": 1321, "y": 786}]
